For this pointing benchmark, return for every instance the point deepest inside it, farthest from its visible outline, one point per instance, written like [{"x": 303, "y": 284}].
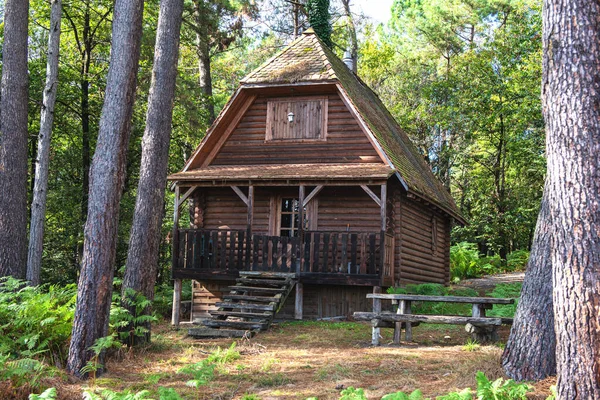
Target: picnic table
[{"x": 481, "y": 327}]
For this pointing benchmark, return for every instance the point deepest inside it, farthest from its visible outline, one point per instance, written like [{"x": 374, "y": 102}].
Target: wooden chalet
[{"x": 306, "y": 172}]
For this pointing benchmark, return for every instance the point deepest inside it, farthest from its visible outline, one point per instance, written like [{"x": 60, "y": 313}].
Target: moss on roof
[{"x": 308, "y": 59}]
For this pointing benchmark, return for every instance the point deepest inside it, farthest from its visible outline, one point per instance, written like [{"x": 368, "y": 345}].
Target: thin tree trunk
[
  {"x": 203, "y": 51},
  {"x": 40, "y": 188},
  {"x": 107, "y": 175},
  {"x": 530, "y": 351},
  {"x": 570, "y": 91},
  {"x": 13, "y": 141},
  {"x": 142, "y": 257}
]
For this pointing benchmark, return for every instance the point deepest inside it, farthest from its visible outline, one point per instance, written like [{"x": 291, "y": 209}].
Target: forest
[{"x": 463, "y": 79}]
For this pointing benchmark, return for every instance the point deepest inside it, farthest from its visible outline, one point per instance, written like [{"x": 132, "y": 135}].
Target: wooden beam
[
  {"x": 301, "y": 192},
  {"x": 176, "y": 303},
  {"x": 186, "y": 195},
  {"x": 240, "y": 194},
  {"x": 311, "y": 195},
  {"x": 383, "y": 206},
  {"x": 371, "y": 194},
  {"x": 250, "y": 204},
  {"x": 299, "y": 301}
]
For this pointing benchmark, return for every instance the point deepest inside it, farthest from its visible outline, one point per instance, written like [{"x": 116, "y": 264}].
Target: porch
[{"x": 316, "y": 257}]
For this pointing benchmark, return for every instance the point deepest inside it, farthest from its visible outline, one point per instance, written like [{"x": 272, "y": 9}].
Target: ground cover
[{"x": 298, "y": 360}]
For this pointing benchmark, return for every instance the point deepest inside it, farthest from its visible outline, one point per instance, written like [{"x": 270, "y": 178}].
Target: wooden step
[
  {"x": 258, "y": 299},
  {"x": 240, "y": 288},
  {"x": 241, "y": 314},
  {"x": 249, "y": 325},
  {"x": 263, "y": 282},
  {"x": 238, "y": 306},
  {"x": 261, "y": 274},
  {"x": 209, "y": 333}
]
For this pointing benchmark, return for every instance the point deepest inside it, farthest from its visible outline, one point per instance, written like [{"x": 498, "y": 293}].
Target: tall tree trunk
[
  {"x": 142, "y": 257},
  {"x": 40, "y": 188},
  {"x": 13, "y": 141},
  {"x": 106, "y": 181},
  {"x": 203, "y": 51},
  {"x": 570, "y": 91},
  {"x": 530, "y": 351}
]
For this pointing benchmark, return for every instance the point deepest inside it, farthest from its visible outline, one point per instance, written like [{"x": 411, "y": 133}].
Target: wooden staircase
[{"x": 249, "y": 307}]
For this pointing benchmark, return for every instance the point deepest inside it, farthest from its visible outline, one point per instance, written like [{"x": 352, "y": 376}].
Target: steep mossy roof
[{"x": 307, "y": 59}]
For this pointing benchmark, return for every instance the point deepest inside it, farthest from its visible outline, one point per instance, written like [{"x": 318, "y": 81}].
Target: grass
[{"x": 330, "y": 356}]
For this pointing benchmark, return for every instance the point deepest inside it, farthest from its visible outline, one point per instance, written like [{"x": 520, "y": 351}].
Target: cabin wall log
[
  {"x": 345, "y": 141},
  {"x": 342, "y": 206},
  {"x": 423, "y": 256}
]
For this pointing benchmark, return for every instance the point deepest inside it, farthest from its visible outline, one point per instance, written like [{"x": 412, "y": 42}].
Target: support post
[
  {"x": 176, "y": 303},
  {"x": 404, "y": 308},
  {"x": 377, "y": 310},
  {"x": 175, "y": 261},
  {"x": 299, "y": 301},
  {"x": 383, "y": 204},
  {"x": 301, "y": 195},
  {"x": 249, "y": 227}
]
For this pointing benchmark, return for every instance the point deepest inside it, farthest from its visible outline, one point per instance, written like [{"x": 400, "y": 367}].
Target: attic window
[{"x": 297, "y": 118}]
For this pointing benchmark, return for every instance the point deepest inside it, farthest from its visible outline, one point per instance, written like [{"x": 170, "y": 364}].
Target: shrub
[
  {"x": 36, "y": 321},
  {"x": 517, "y": 260},
  {"x": 435, "y": 289},
  {"x": 505, "y": 290},
  {"x": 464, "y": 259}
]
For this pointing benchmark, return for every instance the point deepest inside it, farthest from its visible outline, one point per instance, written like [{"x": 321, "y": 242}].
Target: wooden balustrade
[{"x": 347, "y": 253}]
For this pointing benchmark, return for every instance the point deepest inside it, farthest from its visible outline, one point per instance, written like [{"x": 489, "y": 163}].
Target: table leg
[{"x": 404, "y": 308}]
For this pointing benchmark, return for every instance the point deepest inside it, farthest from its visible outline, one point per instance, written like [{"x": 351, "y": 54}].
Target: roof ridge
[{"x": 261, "y": 67}]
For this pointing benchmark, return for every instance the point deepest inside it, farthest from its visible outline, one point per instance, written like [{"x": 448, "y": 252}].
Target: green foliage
[
  {"x": 435, "y": 308},
  {"x": 464, "y": 394},
  {"x": 224, "y": 356},
  {"x": 48, "y": 394},
  {"x": 100, "y": 346},
  {"x": 35, "y": 321},
  {"x": 111, "y": 395},
  {"x": 131, "y": 319},
  {"x": 471, "y": 345},
  {"x": 351, "y": 393},
  {"x": 251, "y": 397},
  {"x": 24, "y": 371},
  {"x": 204, "y": 371},
  {"x": 319, "y": 19},
  {"x": 500, "y": 389},
  {"x": 416, "y": 395},
  {"x": 517, "y": 260},
  {"x": 462, "y": 78},
  {"x": 465, "y": 262},
  {"x": 503, "y": 290}
]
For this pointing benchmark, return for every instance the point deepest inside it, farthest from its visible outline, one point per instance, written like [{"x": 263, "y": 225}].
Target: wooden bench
[{"x": 482, "y": 328}]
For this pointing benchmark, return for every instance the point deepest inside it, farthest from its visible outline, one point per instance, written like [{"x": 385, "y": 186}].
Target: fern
[{"x": 48, "y": 394}]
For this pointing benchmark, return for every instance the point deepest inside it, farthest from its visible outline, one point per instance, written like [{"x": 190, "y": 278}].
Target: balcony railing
[{"x": 316, "y": 252}]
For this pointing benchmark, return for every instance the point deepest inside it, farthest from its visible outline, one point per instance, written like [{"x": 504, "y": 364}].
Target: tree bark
[
  {"x": 40, "y": 188},
  {"x": 142, "y": 257},
  {"x": 107, "y": 175},
  {"x": 530, "y": 351},
  {"x": 13, "y": 141},
  {"x": 571, "y": 91}
]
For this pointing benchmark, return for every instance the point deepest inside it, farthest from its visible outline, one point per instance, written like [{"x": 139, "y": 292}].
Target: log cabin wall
[
  {"x": 345, "y": 141},
  {"x": 342, "y": 208},
  {"x": 425, "y": 243}
]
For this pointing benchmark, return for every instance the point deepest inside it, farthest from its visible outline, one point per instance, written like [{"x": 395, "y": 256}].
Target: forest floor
[{"x": 302, "y": 359}]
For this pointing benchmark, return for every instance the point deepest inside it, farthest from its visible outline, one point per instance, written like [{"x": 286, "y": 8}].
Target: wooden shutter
[{"x": 310, "y": 116}]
